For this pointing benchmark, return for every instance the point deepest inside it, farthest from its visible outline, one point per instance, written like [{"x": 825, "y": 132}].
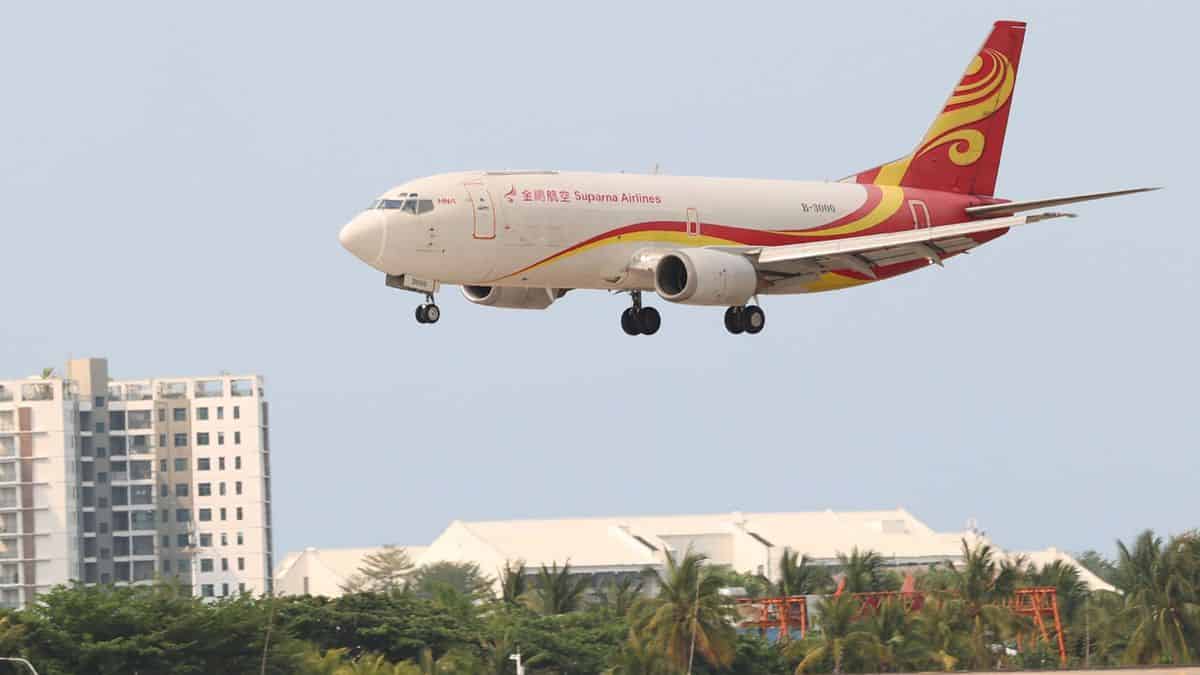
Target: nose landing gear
[
  {"x": 638, "y": 320},
  {"x": 748, "y": 319},
  {"x": 428, "y": 312}
]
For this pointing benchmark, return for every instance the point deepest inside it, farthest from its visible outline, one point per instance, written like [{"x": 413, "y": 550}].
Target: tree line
[{"x": 445, "y": 619}]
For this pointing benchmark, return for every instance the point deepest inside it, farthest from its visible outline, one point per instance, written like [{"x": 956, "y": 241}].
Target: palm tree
[
  {"x": 863, "y": 570},
  {"x": 901, "y": 647},
  {"x": 1161, "y": 598},
  {"x": 637, "y": 657},
  {"x": 799, "y": 576},
  {"x": 372, "y": 664},
  {"x": 557, "y": 592},
  {"x": 941, "y": 625},
  {"x": 838, "y": 636},
  {"x": 620, "y": 594},
  {"x": 317, "y": 663},
  {"x": 984, "y": 587},
  {"x": 513, "y": 583},
  {"x": 688, "y": 615}
]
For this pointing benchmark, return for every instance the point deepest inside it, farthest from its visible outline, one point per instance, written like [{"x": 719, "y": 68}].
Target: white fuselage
[{"x": 584, "y": 230}]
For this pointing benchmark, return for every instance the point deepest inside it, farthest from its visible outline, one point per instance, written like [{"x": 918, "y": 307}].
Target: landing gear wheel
[
  {"x": 650, "y": 320},
  {"x": 432, "y": 313},
  {"x": 428, "y": 313},
  {"x": 630, "y": 323},
  {"x": 733, "y": 320},
  {"x": 753, "y": 319}
]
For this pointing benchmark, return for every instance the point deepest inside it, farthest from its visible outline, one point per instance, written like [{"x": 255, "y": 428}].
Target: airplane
[{"x": 522, "y": 239}]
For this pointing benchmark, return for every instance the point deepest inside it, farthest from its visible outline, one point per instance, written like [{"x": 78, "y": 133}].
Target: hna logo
[{"x": 511, "y": 194}]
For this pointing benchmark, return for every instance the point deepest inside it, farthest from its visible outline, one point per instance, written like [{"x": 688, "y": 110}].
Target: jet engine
[
  {"x": 511, "y": 297},
  {"x": 701, "y": 276}
]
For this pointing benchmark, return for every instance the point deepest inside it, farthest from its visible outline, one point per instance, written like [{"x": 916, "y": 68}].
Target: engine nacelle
[
  {"x": 511, "y": 297},
  {"x": 702, "y": 276}
]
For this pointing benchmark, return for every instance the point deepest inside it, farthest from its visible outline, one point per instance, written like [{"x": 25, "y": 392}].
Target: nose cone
[{"x": 363, "y": 236}]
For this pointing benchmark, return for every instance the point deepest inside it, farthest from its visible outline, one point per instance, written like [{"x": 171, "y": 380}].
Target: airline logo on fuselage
[{"x": 545, "y": 195}]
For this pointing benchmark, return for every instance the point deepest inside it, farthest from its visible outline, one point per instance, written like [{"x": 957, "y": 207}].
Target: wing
[{"x": 865, "y": 254}]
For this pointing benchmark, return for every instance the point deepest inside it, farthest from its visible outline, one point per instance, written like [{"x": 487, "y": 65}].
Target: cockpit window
[{"x": 408, "y": 204}]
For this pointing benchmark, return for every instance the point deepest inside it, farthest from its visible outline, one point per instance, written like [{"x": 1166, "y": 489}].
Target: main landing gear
[
  {"x": 428, "y": 312},
  {"x": 638, "y": 320},
  {"x": 745, "y": 319}
]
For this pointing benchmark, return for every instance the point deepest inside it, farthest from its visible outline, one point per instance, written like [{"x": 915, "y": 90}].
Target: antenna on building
[{"x": 655, "y": 172}]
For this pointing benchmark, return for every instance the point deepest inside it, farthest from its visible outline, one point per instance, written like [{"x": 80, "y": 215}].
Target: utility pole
[{"x": 520, "y": 667}]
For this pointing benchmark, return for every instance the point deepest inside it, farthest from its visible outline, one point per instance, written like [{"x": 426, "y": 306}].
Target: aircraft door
[
  {"x": 482, "y": 211},
  {"x": 693, "y": 222},
  {"x": 920, "y": 214}
]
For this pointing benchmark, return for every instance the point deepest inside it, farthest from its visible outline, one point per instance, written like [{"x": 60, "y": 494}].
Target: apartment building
[{"x": 127, "y": 481}]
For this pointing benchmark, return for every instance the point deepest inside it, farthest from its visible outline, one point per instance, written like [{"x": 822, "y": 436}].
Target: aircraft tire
[
  {"x": 420, "y": 314},
  {"x": 650, "y": 320},
  {"x": 733, "y": 320},
  {"x": 630, "y": 323},
  {"x": 753, "y": 319},
  {"x": 432, "y": 313}
]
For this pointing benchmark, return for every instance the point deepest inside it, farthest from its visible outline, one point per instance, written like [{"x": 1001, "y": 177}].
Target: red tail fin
[{"x": 961, "y": 151}]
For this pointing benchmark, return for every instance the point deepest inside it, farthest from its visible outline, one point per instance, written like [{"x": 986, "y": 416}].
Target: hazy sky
[{"x": 173, "y": 178}]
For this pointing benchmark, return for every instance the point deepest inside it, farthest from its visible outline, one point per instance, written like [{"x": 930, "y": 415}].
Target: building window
[
  {"x": 116, "y": 420},
  {"x": 166, "y": 541},
  {"x": 141, "y": 520},
  {"x": 181, "y": 440},
  {"x": 205, "y": 515},
  {"x": 242, "y": 388},
  {"x": 166, "y": 515},
  {"x": 240, "y": 539},
  {"x": 120, "y": 521},
  {"x": 241, "y": 587},
  {"x": 118, "y": 445},
  {"x": 181, "y": 540},
  {"x": 237, "y": 438},
  {"x": 89, "y": 548},
  {"x": 179, "y": 414},
  {"x": 223, "y": 513},
  {"x": 203, "y": 464},
  {"x": 143, "y": 545},
  {"x": 221, "y": 463},
  {"x": 224, "y": 538},
  {"x": 202, "y": 414},
  {"x": 205, "y": 539},
  {"x": 224, "y": 564},
  {"x": 206, "y": 565},
  {"x": 221, "y": 491},
  {"x": 183, "y": 565},
  {"x": 181, "y": 464},
  {"x": 181, "y": 489},
  {"x": 121, "y": 571},
  {"x": 220, "y": 438},
  {"x": 204, "y": 489},
  {"x": 141, "y": 494},
  {"x": 141, "y": 470},
  {"x": 220, "y": 412},
  {"x": 139, "y": 419},
  {"x": 237, "y": 412},
  {"x": 166, "y": 566},
  {"x": 224, "y": 590},
  {"x": 162, "y": 414},
  {"x": 87, "y": 472},
  {"x": 206, "y": 590},
  {"x": 102, "y": 452},
  {"x": 162, "y": 440},
  {"x": 237, "y": 462},
  {"x": 162, "y": 466},
  {"x": 241, "y": 564},
  {"x": 202, "y": 438},
  {"x": 120, "y": 496},
  {"x": 98, "y": 402},
  {"x": 101, "y": 476},
  {"x": 183, "y": 516},
  {"x": 239, "y": 513},
  {"x": 237, "y": 487},
  {"x": 99, "y": 427}
]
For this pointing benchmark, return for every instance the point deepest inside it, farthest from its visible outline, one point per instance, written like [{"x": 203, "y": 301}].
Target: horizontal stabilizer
[{"x": 1009, "y": 208}]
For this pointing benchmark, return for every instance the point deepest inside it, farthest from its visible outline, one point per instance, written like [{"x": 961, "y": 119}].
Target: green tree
[
  {"x": 901, "y": 647},
  {"x": 513, "y": 582},
  {"x": 619, "y": 595},
  {"x": 985, "y": 586},
  {"x": 1098, "y": 565},
  {"x": 838, "y": 635},
  {"x": 384, "y": 571},
  {"x": 799, "y": 576},
  {"x": 863, "y": 571},
  {"x": 689, "y": 610},
  {"x": 557, "y": 591},
  {"x": 942, "y": 627},
  {"x": 464, "y": 577},
  {"x": 638, "y": 657},
  {"x": 1160, "y": 586}
]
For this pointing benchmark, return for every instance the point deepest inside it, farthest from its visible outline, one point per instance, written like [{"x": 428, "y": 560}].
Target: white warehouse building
[{"x": 746, "y": 542}]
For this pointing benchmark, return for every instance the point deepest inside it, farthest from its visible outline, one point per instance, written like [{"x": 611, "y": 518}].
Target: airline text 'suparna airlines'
[{"x": 521, "y": 239}]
